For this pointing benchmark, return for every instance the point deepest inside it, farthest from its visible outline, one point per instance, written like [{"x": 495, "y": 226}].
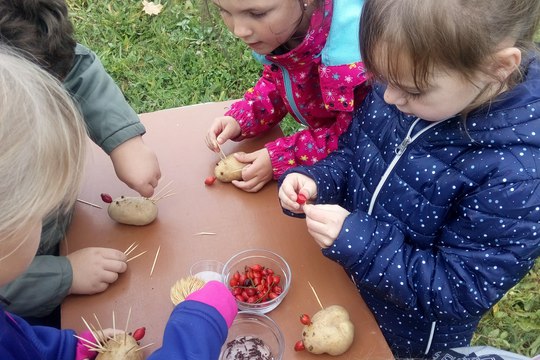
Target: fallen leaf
[{"x": 151, "y": 8}]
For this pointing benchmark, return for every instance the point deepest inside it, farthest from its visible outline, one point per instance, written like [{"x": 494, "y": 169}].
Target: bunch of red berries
[{"x": 256, "y": 284}]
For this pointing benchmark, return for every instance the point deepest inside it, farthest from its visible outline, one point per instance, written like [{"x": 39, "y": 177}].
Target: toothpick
[
  {"x": 155, "y": 259},
  {"x": 166, "y": 195},
  {"x": 127, "y": 324},
  {"x": 144, "y": 347},
  {"x": 96, "y": 331},
  {"x": 130, "y": 246},
  {"x": 204, "y": 233},
  {"x": 114, "y": 324},
  {"x": 130, "y": 249},
  {"x": 90, "y": 329},
  {"x": 89, "y": 347},
  {"x": 89, "y": 203},
  {"x": 131, "y": 348},
  {"x": 94, "y": 345},
  {"x": 163, "y": 188},
  {"x": 221, "y": 153},
  {"x": 136, "y": 256},
  {"x": 316, "y": 296},
  {"x": 103, "y": 338}
]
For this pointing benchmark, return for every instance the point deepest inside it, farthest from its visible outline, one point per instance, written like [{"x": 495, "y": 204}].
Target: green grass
[{"x": 185, "y": 56}]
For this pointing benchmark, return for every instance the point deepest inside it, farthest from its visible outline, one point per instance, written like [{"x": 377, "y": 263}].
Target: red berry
[
  {"x": 301, "y": 199},
  {"x": 299, "y": 346},
  {"x": 256, "y": 267},
  {"x": 304, "y": 319},
  {"x": 139, "y": 333},
  {"x": 106, "y": 198},
  {"x": 255, "y": 284},
  {"x": 209, "y": 180}
]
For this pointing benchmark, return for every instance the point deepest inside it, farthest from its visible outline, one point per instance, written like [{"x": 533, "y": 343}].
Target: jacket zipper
[
  {"x": 288, "y": 91},
  {"x": 400, "y": 150}
]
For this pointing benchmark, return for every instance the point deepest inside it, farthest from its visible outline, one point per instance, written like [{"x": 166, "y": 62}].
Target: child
[
  {"x": 312, "y": 70},
  {"x": 43, "y": 32},
  {"x": 431, "y": 201},
  {"x": 42, "y": 141}
]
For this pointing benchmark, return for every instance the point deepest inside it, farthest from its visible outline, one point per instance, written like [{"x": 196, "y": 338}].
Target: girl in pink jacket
[{"x": 312, "y": 70}]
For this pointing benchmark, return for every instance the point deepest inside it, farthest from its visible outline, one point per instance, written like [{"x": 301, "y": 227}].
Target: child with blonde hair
[
  {"x": 312, "y": 70},
  {"x": 42, "y": 142},
  {"x": 431, "y": 201},
  {"x": 42, "y": 32}
]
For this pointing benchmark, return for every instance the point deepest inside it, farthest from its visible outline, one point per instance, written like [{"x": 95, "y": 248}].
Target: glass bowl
[
  {"x": 245, "y": 272},
  {"x": 255, "y": 336}
]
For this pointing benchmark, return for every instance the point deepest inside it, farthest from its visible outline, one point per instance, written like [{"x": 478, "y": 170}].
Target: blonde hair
[
  {"x": 459, "y": 35},
  {"x": 42, "y": 145}
]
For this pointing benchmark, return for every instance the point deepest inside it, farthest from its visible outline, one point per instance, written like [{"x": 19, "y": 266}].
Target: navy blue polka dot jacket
[{"x": 445, "y": 217}]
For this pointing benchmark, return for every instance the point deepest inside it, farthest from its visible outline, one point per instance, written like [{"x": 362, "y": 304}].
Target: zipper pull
[{"x": 401, "y": 148}]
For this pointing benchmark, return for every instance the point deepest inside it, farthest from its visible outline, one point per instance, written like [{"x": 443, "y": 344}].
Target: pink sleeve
[
  {"x": 218, "y": 296},
  {"x": 308, "y": 146},
  {"x": 83, "y": 352},
  {"x": 261, "y": 108}
]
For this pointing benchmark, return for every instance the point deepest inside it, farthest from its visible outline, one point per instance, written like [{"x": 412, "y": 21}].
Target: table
[{"x": 239, "y": 220}]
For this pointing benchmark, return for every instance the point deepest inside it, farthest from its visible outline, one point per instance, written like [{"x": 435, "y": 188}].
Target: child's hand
[
  {"x": 223, "y": 128},
  {"x": 324, "y": 222},
  {"x": 257, "y": 173},
  {"x": 293, "y": 185},
  {"x": 94, "y": 269},
  {"x": 137, "y": 166}
]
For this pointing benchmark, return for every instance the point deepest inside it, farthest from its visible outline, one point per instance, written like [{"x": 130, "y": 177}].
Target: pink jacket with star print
[{"x": 318, "y": 83}]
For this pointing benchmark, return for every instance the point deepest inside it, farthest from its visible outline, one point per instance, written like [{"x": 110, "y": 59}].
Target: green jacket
[{"x": 110, "y": 121}]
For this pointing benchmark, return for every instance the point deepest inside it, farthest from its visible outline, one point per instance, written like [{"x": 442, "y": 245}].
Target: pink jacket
[{"x": 319, "y": 96}]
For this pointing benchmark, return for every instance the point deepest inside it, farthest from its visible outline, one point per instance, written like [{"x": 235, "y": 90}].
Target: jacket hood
[{"x": 514, "y": 117}]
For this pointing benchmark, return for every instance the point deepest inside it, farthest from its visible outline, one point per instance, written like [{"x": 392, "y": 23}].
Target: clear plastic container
[
  {"x": 207, "y": 270},
  {"x": 256, "y": 333}
]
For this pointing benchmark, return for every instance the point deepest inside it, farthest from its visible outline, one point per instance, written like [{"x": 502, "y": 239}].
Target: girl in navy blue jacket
[
  {"x": 432, "y": 201},
  {"x": 42, "y": 141}
]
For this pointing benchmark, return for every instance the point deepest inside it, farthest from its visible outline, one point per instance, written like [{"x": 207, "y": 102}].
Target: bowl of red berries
[{"x": 259, "y": 279}]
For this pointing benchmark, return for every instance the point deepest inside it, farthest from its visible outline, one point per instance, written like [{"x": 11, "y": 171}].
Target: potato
[
  {"x": 133, "y": 210},
  {"x": 229, "y": 169},
  {"x": 330, "y": 331},
  {"x": 123, "y": 347}
]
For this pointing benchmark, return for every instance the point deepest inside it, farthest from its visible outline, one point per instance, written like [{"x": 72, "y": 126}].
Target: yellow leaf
[{"x": 151, "y": 8}]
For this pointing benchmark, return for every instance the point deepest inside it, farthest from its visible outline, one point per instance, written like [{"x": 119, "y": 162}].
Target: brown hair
[
  {"x": 315, "y": 3},
  {"x": 459, "y": 35},
  {"x": 41, "y": 31}
]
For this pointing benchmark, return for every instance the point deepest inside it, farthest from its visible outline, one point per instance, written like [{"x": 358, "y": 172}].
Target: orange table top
[{"x": 238, "y": 221}]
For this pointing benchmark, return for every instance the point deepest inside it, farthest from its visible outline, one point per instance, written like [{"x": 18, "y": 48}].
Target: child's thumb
[{"x": 243, "y": 157}]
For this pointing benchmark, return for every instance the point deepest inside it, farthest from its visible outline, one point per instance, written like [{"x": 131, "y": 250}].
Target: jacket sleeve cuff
[
  {"x": 121, "y": 136},
  {"x": 281, "y": 159}
]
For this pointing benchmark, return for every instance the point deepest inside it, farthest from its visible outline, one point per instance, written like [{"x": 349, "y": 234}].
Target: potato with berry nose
[
  {"x": 229, "y": 169},
  {"x": 330, "y": 331},
  {"x": 129, "y": 210}
]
